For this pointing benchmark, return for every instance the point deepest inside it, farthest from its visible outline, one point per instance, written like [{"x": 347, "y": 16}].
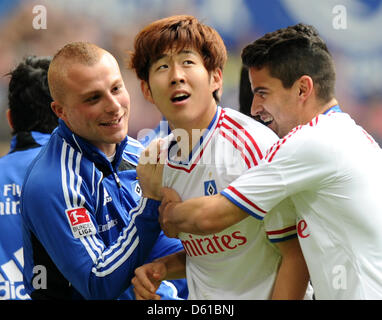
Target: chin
[{"x": 118, "y": 138}]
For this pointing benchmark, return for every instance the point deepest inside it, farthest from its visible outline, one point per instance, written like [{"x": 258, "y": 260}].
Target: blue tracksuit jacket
[
  {"x": 13, "y": 166},
  {"x": 86, "y": 227}
]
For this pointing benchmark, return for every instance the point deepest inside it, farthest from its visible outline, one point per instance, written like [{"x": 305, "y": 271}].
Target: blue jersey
[
  {"x": 86, "y": 227},
  {"x": 24, "y": 148}
]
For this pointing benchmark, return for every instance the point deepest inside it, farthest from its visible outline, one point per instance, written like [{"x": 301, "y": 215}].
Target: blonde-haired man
[{"x": 84, "y": 233}]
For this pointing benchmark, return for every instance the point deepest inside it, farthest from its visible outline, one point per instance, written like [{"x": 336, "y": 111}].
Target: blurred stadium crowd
[{"x": 355, "y": 43}]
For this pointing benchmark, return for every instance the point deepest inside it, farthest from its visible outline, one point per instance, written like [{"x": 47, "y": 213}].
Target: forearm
[
  {"x": 292, "y": 278},
  {"x": 290, "y": 286},
  {"x": 204, "y": 215},
  {"x": 175, "y": 265},
  {"x": 130, "y": 250}
]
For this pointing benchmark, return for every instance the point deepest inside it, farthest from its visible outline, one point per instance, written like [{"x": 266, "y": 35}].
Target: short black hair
[
  {"x": 245, "y": 92},
  {"x": 29, "y": 98},
  {"x": 292, "y": 52}
]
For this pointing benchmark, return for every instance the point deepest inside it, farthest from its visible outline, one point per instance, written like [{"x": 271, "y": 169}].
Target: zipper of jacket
[{"x": 117, "y": 180}]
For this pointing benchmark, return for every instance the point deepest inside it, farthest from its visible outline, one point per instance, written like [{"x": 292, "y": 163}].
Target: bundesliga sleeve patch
[{"x": 80, "y": 222}]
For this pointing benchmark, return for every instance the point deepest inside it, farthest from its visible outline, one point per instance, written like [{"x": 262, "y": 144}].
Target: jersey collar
[
  {"x": 198, "y": 149},
  {"x": 88, "y": 149},
  {"x": 335, "y": 108}
]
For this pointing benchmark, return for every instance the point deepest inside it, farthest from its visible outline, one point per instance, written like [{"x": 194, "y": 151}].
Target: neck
[
  {"x": 109, "y": 150},
  {"x": 187, "y": 139},
  {"x": 191, "y": 133},
  {"x": 327, "y": 106}
]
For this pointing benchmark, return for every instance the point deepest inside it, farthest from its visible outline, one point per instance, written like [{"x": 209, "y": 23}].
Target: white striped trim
[{"x": 125, "y": 245}]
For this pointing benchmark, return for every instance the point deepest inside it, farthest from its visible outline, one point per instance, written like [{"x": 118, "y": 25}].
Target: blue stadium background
[{"x": 352, "y": 32}]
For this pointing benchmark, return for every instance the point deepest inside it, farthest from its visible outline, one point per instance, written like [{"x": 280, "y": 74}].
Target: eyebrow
[
  {"x": 97, "y": 91},
  {"x": 257, "y": 89},
  {"x": 187, "y": 52},
  {"x": 89, "y": 93},
  {"x": 164, "y": 55}
]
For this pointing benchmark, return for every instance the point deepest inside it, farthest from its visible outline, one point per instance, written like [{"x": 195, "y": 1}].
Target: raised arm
[{"x": 203, "y": 215}]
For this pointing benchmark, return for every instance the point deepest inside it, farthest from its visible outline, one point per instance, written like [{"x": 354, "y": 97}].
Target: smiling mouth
[
  {"x": 263, "y": 120},
  {"x": 111, "y": 123}
]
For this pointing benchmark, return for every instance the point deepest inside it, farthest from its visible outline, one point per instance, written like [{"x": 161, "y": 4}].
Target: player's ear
[
  {"x": 58, "y": 109},
  {"x": 305, "y": 87},
  {"x": 146, "y": 91},
  {"x": 9, "y": 118},
  {"x": 216, "y": 79}
]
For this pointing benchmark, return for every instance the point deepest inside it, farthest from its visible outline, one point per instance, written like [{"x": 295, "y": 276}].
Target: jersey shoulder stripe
[
  {"x": 236, "y": 146},
  {"x": 276, "y": 147},
  {"x": 134, "y": 143},
  {"x": 246, "y": 134},
  {"x": 132, "y": 151},
  {"x": 369, "y": 137},
  {"x": 236, "y": 135},
  {"x": 243, "y": 202},
  {"x": 314, "y": 121},
  {"x": 241, "y": 131}
]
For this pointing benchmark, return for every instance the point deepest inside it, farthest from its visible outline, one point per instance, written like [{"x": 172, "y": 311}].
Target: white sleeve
[
  {"x": 295, "y": 163},
  {"x": 280, "y": 224}
]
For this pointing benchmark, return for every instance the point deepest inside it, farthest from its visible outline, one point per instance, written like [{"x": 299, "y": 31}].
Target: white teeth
[
  {"x": 112, "y": 122},
  {"x": 180, "y": 95},
  {"x": 267, "y": 119}
]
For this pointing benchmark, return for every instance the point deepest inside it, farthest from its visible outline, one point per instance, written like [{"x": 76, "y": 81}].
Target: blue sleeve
[
  {"x": 169, "y": 289},
  {"x": 164, "y": 246},
  {"x": 114, "y": 267},
  {"x": 96, "y": 269}
]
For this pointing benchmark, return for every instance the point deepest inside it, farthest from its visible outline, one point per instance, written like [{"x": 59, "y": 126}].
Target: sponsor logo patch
[{"x": 80, "y": 222}]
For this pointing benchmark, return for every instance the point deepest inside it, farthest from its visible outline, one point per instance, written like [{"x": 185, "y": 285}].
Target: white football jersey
[
  {"x": 241, "y": 262},
  {"x": 332, "y": 171}
]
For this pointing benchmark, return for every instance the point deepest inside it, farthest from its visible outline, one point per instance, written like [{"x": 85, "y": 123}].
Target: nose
[
  {"x": 113, "y": 105},
  {"x": 256, "y": 107},
  {"x": 177, "y": 75}
]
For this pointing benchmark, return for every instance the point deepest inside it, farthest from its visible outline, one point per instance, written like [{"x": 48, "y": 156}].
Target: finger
[
  {"x": 137, "y": 295},
  {"x": 164, "y": 203},
  {"x": 149, "y": 276},
  {"x": 163, "y": 152},
  {"x": 155, "y": 148},
  {"x": 147, "y": 284},
  {"x": 145, "y": 295},
  {"x": 151, "y": 153},
  {"x": 159, "y": 169},
  {"x": 144, "y": 157},
  {"x": 164, "y": 223},
  {"x": 162, "y": 213},
  {"x": 170, "y": 194},
  {"x": 142, "y": 291},
  {"x": 158, "y": 177},
  {"x": 167, "y": 224}
]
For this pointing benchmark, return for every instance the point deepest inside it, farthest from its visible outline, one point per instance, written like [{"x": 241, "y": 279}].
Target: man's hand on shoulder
[{"x": 150, "y": 170}]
